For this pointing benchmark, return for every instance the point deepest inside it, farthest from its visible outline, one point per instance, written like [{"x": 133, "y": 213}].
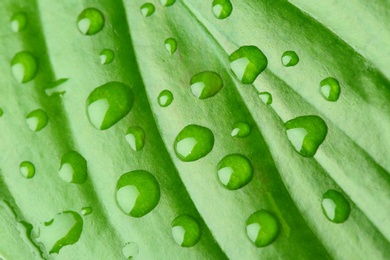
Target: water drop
[
  {"x": 170, "y": 45},
  {"x": 306, "y": 134},
  {"x": 262, "y": 228},
  {"x": 108, "y": 104},
  {"x": 19, "y": 22},
  {"x": 290, "y": 58},
  {"x": 330, "y": 89},
  {"x": 85, "y": 211},
  {"x": 37, "y": 120},
  {"x": 266, "y": 97},
  {"x": 247, "y": 63},
  {"x": 186, "y": 230},
  {"x": 137, "y": 193},
  {"x": 234, "y": 171},
  {"x": 241, "y": 129},
  {"x": 63, "y": 230},
  {"x": 90, "y": 21},
  {"x": 106, "y": 56},
  {"x": 130, "y": 250},
  {"x": 24, "y": 67},
  {"x": 167, "y": 2},
  {"x": 56, "y": 87},
  {"x": 335, "y": 206},
  {"x": 27, "y": 169},
  {"x": 193, "y": 142},
  {"x": 222, "y": 8},
  {"x": 73, "y": 168},
  {"x": 165, "y": 98},
  {"x": 206, "y": 84},
  {"x": 135, "y": 136},
  {"x": 147, "y": 9},
  {"x": 1, "y": 112}
]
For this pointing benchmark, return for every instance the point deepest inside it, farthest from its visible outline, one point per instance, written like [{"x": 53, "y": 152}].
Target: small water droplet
[
  {"x": 135, "y": 136},
  {"x": 222, "y": 8},
  {"x": 186, "y": 230},
  {"x": 108, "y": 104},
  {"x": 73, "y": 168},
  {"x": 170, "y": 45},
  {"x": 247, "y": 63},
  {"x": 290, "y": 58},
  {"x": 262, "y": 228},
  {"x": 24, "y": 67},
  {"x": 241, "y": 129},
  {"x": 106, "y": 56},
  {"x": 193, "y": 142},
  {"x": 27, "y": 169},
  {"x": 335, "y": 206},
  {"x": 330, "y": 89},
  {"x": 1, "y": 112},
  {"x": 266, "y": 97},
  {"x": 306, "y": 134},
  {"x": 63, "y": 230},
  {"x": 165, "y": 98},
  {"x": 137, "y": 193},
  {"x": 147, "y": 9},
  {"x": 37, "y": 120},
  {"x": 130, "y": 250},
  {"x": 90, "y": 21},
  {"x": 19, "y": 22},
  {"x": 206, "y": 84},
  {"x": 167, "y": 2},
  {"x": 234, "y": 171},
  {"x": 85, "y": 211}
]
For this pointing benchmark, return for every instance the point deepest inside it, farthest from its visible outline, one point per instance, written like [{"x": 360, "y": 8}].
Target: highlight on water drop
[
  {"x": 90, "y": 21},
  {"x": 147, "y": 9},
  {"x": 165, "y": 98},
  {"x": 290, "y": 58},
  {"x": 106, "y": 56},
  {"x": 19, "y": 22},
  {"x": 335, "y": 206},
  {"x": 222, "y": 8},
  {"x": 330, "y": 89},
  {"x": 73, "y": 168},
  {"x": 27, "y": 169},
  {"x": 186, "y": 230},
  {"x": 206, "y": 84},
  {"x": 24, "y": 66},
  {"x": 37, "y": 120},
  {"x": 262, "y": 228}
]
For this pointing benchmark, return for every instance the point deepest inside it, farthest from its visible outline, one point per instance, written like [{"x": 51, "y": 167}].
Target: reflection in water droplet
[
  {"x": 241, "y": 129},
  {"x": 130, "y": 250},
  {"x": 63, "y": 230},
  {"x": 137, "y": 193},
  {"x": 306, "y": 134},
  {"x": 262, "y": 228},
  {"x": 37, "y": 120},
  {"x": 186, "y": 230},
  {"x": 27, "y": 169},
  {"x": 290, "y": 58},
  {"x": 335, "y": 206},
  {"x": 108, "y": 104},
  {"x": 85, "y": 211},
  {"x": 73, "y": 168},
  {"x": 147, "y": 9},
  {"x": 167, "y": 2},
  {"x": 170, "y": 45},
  {"x": 24, "y": 67},
  {"x": 19, "y": 22},
  {"x": 234, "y": 171},
  {"x": 90, "y": 21},
  {"x": 222, "y": 8},
  {"x": 330, "y": 89},
  {"x": 135, "y": 136},
  {"x": 193, "y": 143},
  {"x": 266, "y": 97},
  {"x": 247, "y": 63},
  {"x": 106, "y": 56},
  {"x": 206, "y": 84},
  {"x": 165, "y": 98}
]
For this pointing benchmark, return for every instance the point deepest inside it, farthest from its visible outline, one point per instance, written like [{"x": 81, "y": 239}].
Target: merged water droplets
[
  {"x": 130, "y": 250},
  {"x": 222, "y": 8},
  {"x": 165, "y": 98},
  {"x": 24, "y": 66},
  {"x": 135, "y": 136},
  {"x": 186, "y": 230},
  {"x": 335, "y": 206},
  {"x": 137, "y": 193},
  {"x": 37, "y": 120},
  {"x": 27, "y": 169},
  {"x": 170, "y": 45},
  {"x": 73, "y": 168},
  {"x": 193, "y": 142},
  {"x": 106, "y": 56},
  {"x": 108, "y": 104},
  {"x": 63, "y": 230},
  {"x": 167, "y": 2},
  {"x": 290, "y": 58},
  {"x": 19, "y": 22},
  {"x": 206, "y": 84},
  {"x": 241, "y": 129},
  {"x": 262, "y": 228},
  {"x": 306, "y": 134},
  {"x": 266, "y": 97},
  {"x": 247, "y": 63},
  {"x": 147, "y": 9},
  {"x": 234, "y": 171},
  {"x": 90, "y": 21},
  {"x": 330, "y": 89}
]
